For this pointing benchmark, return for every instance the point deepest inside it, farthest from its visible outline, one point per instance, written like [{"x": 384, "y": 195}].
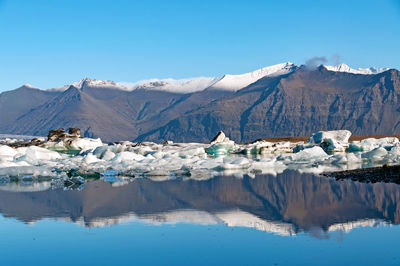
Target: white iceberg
[
  {"x": 323, "y": 152},
  {"x": 331, "y": 141}
]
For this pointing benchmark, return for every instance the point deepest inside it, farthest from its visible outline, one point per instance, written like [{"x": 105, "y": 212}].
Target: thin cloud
[{"x": 335, "y": 59}]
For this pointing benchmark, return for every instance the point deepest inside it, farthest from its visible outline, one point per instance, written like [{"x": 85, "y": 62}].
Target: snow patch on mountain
[
  {"x": 362, "y": 71},
  {"x": 236, "y": 82},
  {"x": 27, "y": 85},
  {"x": 94, "y": 83},
  {"x": 189, "y": 85},
  {"x": 172, "y": 85},
  {"x": 227, "y": 82}
]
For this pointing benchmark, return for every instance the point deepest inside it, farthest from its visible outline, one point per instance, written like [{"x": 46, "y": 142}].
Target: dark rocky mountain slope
[
  {"x": 20, "y": 101},
  {"x": 293, "y": 104},
  {"x": 296, "y": 104}
]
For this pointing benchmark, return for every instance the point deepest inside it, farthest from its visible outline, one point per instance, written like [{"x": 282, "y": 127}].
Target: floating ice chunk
[
  {"x": 356, "y": 146},
  {"x": 191, "y": 151},
  {"x": 265, "y": 147},
  {"x": 395, "y": 150},
  {"x": 371, "y": 143},
  {"x": 336, "y": 135},
  {"x": 6, "y": 151},
  {"x": 85, "y": 144},
  {"x": 100, "y": 151},
  {"x": 90, "y": 158},
  {"x": 142, "y": 150},
  {"x": 104, "y": 152},
  {"x": 220, "y": 149},
  {"x": 193, "y": 160},
  {"x": 108, "y": 155},
  {"x": 36, "y": 155},
  {"x": 353, "y": 158},
  {"x": 306, "y": 155},
  {"x": 376, "y": 154},
  {"x": 393, "y": 155},
  {"x": 335, "y": 140},
  {"x": 302, "y": 146},
  {"x": 127, "y": 156},
  {"x": 344, "y": 158},
  {"x": 209, "y": 163}
]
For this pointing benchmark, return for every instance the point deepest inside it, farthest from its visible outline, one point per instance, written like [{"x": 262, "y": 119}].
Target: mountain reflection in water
[{"x": 286, "y": 204}]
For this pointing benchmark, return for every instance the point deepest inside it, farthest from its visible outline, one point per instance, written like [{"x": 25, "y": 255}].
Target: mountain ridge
[
  {"x": 213, "y": 82},
  {"x": 297, "y": 101}
]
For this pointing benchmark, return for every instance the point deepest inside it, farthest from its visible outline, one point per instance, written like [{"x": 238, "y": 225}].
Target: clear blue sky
[{"x": 52, "y": 43}]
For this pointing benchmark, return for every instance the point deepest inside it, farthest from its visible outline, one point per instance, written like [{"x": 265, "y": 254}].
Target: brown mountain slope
[
  {"x": 20, "y": 101},
  {"x": 296, "y": 104},
  {"x": 108, "y": 113},
  {"x": 73, "y": 108}
]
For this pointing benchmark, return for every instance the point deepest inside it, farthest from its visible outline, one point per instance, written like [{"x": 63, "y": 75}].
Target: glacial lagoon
[
  {"x": 78, "y": 201},
  {"x": 286, "y": 219}
]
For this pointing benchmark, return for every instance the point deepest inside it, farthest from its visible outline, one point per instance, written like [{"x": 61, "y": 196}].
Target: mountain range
[{"x": 279, "y": 100}]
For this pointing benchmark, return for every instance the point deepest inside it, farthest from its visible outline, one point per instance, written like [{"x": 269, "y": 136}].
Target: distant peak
[
  {"x": 27, "y": 85},
  {"x": 363, "y": 71},
  {"x": 88, "y": 82}
]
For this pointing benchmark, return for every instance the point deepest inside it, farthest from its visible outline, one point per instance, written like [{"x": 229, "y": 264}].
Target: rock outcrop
[{"x": 60, "y": 134}]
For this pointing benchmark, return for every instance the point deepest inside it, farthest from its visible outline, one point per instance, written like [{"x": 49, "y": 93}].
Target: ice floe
[{"x": 75, "y": 156}]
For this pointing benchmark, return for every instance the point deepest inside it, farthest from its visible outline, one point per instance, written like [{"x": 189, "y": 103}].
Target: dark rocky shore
[{"x": 387, "y": 174}]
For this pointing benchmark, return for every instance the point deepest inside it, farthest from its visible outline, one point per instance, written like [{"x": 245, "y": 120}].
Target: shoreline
[
  {"x": 302, "y": 138},
  {"x": 385, "y": 173}
]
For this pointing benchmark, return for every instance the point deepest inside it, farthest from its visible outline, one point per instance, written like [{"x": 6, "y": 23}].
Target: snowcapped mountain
[
  {"x": 172, "y": 85},
  {"x": 362, "y": 71},
  {"x": 92, "y": 83},
  {"x": 226, "y": 82},
  {"x": 249, "y": 106},
  {"x": 27, "y": 85},
  {"x": 236, "y": 82}
]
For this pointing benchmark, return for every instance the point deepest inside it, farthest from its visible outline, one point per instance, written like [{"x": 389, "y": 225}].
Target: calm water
[{"x": 284, "y": 220}]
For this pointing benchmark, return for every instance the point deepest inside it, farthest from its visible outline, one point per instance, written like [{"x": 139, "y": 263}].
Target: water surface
[{"x": 287, "y": 219}]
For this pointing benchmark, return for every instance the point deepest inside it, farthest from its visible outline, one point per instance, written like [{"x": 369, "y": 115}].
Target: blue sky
[{"x": 52, "y": 43}]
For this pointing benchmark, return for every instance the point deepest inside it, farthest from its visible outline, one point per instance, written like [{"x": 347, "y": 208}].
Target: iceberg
[
  {"x": 324, "y": 151},
  {"x": 331, "y": 141}
]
